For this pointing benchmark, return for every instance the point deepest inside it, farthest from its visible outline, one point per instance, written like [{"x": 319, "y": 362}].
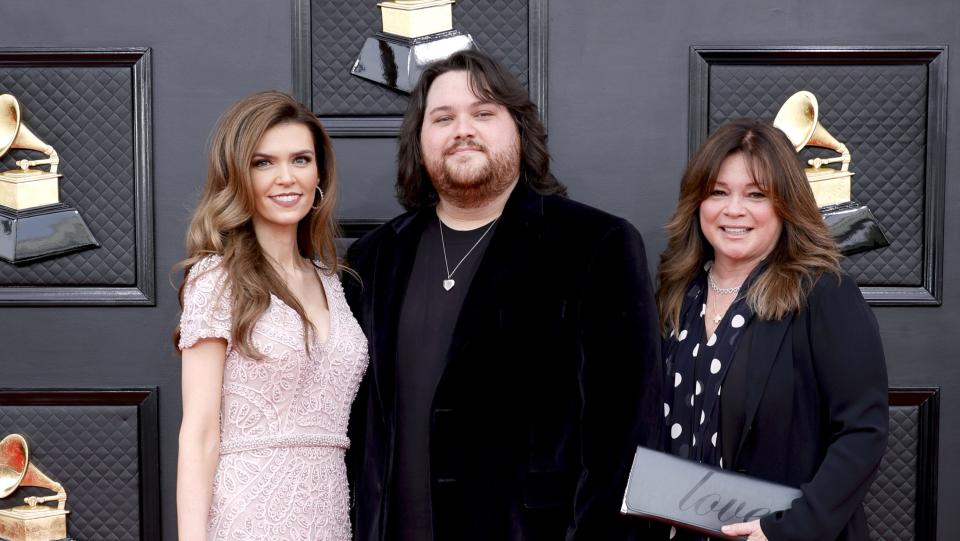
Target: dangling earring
[{"x": 319, "y": 199}]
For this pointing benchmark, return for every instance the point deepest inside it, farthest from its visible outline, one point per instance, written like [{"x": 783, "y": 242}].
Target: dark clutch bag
[
  {"x": 698, "y": 497},
  {"x": 854, "y": 228}
]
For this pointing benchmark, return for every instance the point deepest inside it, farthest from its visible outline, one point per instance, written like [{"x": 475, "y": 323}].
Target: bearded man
[{"x": 512, "y": 334}]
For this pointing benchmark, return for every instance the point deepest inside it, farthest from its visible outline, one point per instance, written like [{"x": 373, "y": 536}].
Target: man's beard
[{"x": 466, "y": 186}]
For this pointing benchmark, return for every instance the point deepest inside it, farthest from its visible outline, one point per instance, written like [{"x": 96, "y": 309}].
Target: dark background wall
[{"x": 617, "y": 90}]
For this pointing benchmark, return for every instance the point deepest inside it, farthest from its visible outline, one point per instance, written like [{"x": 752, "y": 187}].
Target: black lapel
[
  {"x": 513, "y": 244},
  {"x": 768, "y": 338},
  {"x": 393, "y": 266}
]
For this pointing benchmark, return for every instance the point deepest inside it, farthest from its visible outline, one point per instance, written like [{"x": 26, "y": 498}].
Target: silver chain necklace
[
  {"x": 721, "y": 290},
  {"x": 450, "y": 282}
]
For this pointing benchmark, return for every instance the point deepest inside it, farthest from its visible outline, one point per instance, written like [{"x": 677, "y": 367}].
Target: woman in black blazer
[{"x": 774, "y": 365}]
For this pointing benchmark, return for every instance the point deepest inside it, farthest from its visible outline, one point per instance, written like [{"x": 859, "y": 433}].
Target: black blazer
[
  {"x": 816, "y": 412},
  {"x": 552, "y": 377}
]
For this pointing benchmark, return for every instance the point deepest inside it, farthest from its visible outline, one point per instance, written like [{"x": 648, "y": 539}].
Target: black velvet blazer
[
  {"x": 816, "y": 412},
  {"x": 552, "y": 377}
]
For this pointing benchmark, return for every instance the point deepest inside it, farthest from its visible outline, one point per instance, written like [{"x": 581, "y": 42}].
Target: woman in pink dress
[{"x": 272, "y": 355}]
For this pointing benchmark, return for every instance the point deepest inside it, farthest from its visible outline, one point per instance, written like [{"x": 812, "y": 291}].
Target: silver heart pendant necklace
[{"x": 450, "y": 282}]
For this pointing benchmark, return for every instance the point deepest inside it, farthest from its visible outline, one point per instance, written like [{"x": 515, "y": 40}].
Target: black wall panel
[
  {"x": 101, "y": 446},
  {"x": 93, "y": 107},
  {"x": 338, "y": 29},
  {"x": 887, "y": 104}
]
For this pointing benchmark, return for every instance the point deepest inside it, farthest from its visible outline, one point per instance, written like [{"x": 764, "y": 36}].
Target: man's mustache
[{"x": 466, "y": 143}]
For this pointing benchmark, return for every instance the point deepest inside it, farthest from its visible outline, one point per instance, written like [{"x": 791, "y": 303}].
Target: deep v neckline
[
  {"x": 331, "y": 315},
  {"x": 332, "y": 319}
]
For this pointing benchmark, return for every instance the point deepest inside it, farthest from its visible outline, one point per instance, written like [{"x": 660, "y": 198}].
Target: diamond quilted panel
[
  {"x": 879, "y": 112},
  {"x": 86, "y": 114},
  {"x": 891, "y": 503},
  {"x": 93, "y": 452},
  {"x": 338, "y": 30},
  {"x": 500, "y": 28}
]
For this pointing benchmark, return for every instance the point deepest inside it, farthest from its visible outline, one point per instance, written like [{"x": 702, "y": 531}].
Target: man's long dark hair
[{"x": 491, "y": 82}]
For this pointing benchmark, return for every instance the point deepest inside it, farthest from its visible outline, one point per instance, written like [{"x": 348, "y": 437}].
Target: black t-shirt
[{"x": 427, "y": 319}]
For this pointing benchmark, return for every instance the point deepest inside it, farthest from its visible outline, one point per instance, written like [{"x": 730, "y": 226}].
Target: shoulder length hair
[
  {"x": 804, "y": 251},
  {"x": 223, "y": 221},
  {"x": 491, "y": 82}
]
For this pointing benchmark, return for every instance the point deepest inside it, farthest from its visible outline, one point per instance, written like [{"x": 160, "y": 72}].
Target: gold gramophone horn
[
  {"x": 14, "y": 459},
  {"x": 15, "y": 134},
  {"x": 32, "y": 521},
  {"x": 16, "y": 470},
  {"x": 798, "y": 119}
]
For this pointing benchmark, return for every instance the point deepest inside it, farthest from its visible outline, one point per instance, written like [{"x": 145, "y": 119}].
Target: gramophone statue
[
  {"x": 34, "y": 520},
  {"x": 34, "y": 224},
  {"x": 853, "y": 225},
  {"x": 415, "y": 33}
]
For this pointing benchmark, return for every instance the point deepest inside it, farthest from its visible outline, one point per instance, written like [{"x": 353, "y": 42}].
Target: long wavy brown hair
[
  {"x": 223, "y": 221},
  {"x": 491, "y": 82},
  {"x": 804, "y": 252}
]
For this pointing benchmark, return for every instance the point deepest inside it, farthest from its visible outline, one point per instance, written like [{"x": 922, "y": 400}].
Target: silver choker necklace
[
  {"x": 721, "y": 290},
  {"x": 450, "y": 282}
]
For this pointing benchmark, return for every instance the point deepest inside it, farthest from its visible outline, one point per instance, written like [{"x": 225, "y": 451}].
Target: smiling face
[
  {"x": 737, "y": 218},
  {"x": 470, "y": 147},
  {"x": 284, "y": 175}
]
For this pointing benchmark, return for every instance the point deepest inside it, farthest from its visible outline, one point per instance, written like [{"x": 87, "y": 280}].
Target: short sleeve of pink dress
[
  {"x": 283, "y": 418},
  {"x": 206, "y": 304}
]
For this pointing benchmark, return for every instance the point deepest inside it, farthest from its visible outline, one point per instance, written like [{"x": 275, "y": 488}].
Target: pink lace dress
[{"x": 283, "y": 419}]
